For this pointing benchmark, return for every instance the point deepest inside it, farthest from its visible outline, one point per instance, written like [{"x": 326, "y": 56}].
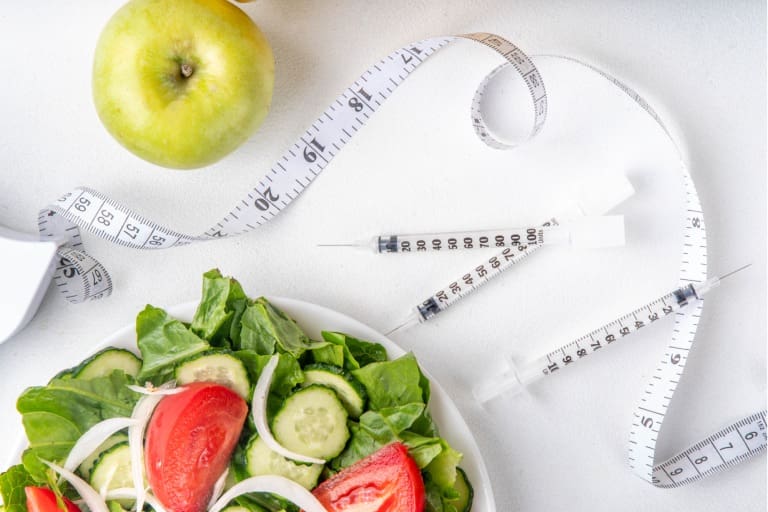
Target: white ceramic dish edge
[{"x": 313, "y": 318}]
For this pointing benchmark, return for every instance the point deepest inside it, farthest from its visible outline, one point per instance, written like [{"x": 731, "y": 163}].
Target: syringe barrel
[{"x": 511, "y": 381}]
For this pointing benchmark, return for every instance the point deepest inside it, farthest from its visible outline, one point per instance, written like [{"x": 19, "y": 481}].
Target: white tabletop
[{"x": 418, "y": 167}]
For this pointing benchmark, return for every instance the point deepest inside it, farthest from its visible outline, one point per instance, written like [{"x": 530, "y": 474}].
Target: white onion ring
[{"x": 259, "y": 411}]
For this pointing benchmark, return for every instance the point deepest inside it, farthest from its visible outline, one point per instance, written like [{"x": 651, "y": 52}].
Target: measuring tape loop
[
  {"x": 705, "y": 457},
  {"x": 80, "y": 277},
  {"x": 286, "y": 180}
]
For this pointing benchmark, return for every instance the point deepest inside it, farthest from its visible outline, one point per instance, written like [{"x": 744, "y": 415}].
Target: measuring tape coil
[{"x": 80, "y": 277}]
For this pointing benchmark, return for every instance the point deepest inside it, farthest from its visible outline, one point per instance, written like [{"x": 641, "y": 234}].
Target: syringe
[
  {"x": 515, "y": 379},
  {"x": 597, "y": 197},
  {"x": 588, "y": 232}
]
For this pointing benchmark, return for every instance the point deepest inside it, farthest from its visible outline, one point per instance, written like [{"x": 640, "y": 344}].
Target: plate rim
[{"x": 481, "y": 482}]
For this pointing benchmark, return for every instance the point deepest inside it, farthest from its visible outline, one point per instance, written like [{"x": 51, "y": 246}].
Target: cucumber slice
[
  {"x": 87, "y": 465},
  {"x": 463, "y": 502},
  {"x": 350, "y": 391},
  {"x": 312, "y": 422},
  {"x": 106, "y": 361},
  {"x": 222, "y": 368},
  {"x": 261, "y": 460},
  {"x": 112, "y": 470}
]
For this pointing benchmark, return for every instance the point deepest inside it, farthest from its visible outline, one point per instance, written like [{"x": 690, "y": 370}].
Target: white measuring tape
[{"x": 80, "y": 277}]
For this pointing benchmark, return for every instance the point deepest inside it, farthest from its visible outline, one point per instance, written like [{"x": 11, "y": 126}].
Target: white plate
[{"x": 313, "y": 319}]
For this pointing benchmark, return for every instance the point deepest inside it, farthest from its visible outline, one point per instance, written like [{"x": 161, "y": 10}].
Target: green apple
[{"x": 182, "y": 83}]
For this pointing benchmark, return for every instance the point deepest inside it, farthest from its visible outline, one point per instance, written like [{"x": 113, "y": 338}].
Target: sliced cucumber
[
  {"x": 235, "y": 508},
  {"x": 87, "y": 465},
  {"x": 261, "y": 460},
  {"x": 112, "y": 470},
  {"x": 312, "y": 422},
  {"x": 222, "y": 368},
  {"x": 115, "y": 506},
  {"x": 463, "y": 502},
  {"x": 106, "y": 361},
  {"x": 350, "y": 391}
]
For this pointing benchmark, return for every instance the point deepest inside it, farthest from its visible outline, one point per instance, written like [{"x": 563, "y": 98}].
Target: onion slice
[
  {"x": 91, "y": 498},
  {"x": 141, "y": 413},
  {"x": 125, "y": 493},
  {"x": 279, "y": 485},
  {"x": 259, "y": 411},
  {"x": 93, "y": 438},
  {"x": 218, "y": 488}
]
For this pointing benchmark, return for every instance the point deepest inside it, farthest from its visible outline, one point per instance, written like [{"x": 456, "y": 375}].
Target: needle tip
[{"x": 734, "y": 271}]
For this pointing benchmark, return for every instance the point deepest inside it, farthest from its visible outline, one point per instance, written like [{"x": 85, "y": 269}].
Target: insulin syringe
[
  {"x": 597, "y": 197},
  {"x": 596, "y": 231},
  {"x": 515, "y": 379}
]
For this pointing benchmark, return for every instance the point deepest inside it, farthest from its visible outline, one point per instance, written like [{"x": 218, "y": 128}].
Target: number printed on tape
[{"x": 80, "y": 277}]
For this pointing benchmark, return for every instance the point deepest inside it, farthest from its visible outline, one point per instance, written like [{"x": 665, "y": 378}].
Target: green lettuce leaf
[
  {"x": 266, "y": 330},
  {"x": 386, "y": 424},
  {"x": 379, "y": 428},
  {"x": 442, "y": 469},
  {"x": 56, "y": 415},
  {"x": 287, "y": 374},
  {"x": 329, "y": 354},
  {"x": 423, "y": 449},
  {"x": 348, "y": 352},
  {"x": 392, "y": 383},
  {"x": 12, "y": 484},
  {"x": 163, "y": 342},
  {"x": 361, "y": 444},
  {"x": 223, "y": 302}
]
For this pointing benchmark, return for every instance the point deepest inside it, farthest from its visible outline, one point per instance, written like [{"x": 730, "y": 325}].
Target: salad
[{"x": 239, "y": 411}]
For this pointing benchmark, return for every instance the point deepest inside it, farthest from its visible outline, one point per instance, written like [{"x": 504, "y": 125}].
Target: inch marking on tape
[
  {"x": 81, "y": 277},
  {"x": 288, "y": 177},
  {"x": 720, "y": 451}
]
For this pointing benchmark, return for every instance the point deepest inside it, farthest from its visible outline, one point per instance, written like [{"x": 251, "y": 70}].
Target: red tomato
[
  {"x": 40, "y": 499},
  {"x": 385, "y": 481},
  {"x": 190, "y": 439}
]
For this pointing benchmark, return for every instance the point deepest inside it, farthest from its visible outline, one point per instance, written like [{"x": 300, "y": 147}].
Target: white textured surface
[{"x": 417, "y": 167}]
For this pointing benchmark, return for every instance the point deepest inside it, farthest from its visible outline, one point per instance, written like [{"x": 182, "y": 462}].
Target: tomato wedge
[
  {"x": 40, "y": 499},
  {"x": 190, "y": 439},
  {"x": 386, "y": 481}
]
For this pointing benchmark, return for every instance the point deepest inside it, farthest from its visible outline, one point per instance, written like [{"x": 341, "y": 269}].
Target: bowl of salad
[{"x": 242, "y": 404}]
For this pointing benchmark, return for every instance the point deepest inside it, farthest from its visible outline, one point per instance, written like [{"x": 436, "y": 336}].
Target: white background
[{"x": 417, "y": 167}]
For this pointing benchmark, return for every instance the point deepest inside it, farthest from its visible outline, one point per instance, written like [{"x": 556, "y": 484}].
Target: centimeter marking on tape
[
  {"x": 80, "y": 277},
  {"x": 287, "y": 178}
]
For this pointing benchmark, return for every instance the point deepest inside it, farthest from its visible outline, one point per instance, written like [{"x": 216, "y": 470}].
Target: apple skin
[{"x": 148, "y": 104}]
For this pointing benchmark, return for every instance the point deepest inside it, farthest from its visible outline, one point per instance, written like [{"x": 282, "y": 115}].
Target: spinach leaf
[
  {"x": 379, "y": 428},
  {"x": 163, "y": 342},
  {"x": 266, "y": 330},
  {"x": 222, "y": 299},
  {"x": 355, "y": 353},
  {"x": 361, "y": 444},
  {"x": 365, "y": 352},
  {"x": 287, "y": 375},
  {"x": 56, "y": 415},
  {"x": 12, "y": 484}
]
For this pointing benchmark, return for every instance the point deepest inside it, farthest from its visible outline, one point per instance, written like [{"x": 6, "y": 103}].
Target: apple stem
[{"x": 186, "y": 70}]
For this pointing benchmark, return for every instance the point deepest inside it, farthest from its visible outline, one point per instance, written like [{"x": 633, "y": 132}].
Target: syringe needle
[
  {"x": 515, "y": 379},
  {"x": 411, "y": 320},
  {"x": 734, "y": 271}
]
